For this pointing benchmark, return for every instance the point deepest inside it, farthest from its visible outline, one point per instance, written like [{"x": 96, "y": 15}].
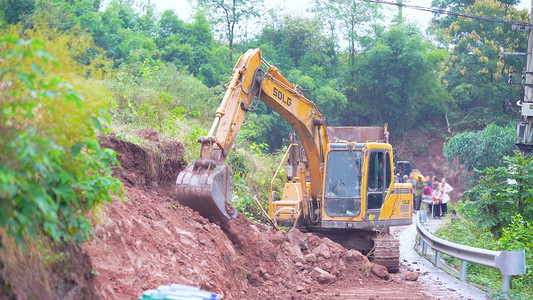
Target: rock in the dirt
[
  {"x": 322, "y": 251},
  {"x": 354, "y": 255},
  {"x": 310, "y": 258},
  {"x": 412, "y": 276},
  {"x": 380, "y": 271},
  {"x": 287, "y": 274},
  {"x": 295, "y": 236},
  {"x": 327, "y": 266},
  {"x": 277, "y": 238},
  {"x": 299, "y": 265},
  {"x": 313, "y": 240},
  {"x": 293, "y": 249},
  {"x": 322, "y": 276}
]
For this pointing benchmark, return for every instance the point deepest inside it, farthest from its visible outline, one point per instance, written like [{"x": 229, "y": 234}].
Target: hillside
[
  {"x": 425, "y": 152},
  {"x": 149, "y": 239}
]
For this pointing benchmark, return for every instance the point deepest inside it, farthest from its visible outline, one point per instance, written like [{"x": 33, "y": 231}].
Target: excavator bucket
[{"x": 207, "y": 190}]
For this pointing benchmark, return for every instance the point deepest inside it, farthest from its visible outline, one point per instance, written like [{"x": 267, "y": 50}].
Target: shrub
[{"x": 50, "y": 174}]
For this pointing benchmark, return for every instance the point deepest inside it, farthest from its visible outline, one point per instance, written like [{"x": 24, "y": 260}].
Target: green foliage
[
  {"x": 191, "y": 46},
  {"x": 11, "y": 11},
  {"x": 249, "y": 133},
  {"x": 466, "y": 232},
  {"x": 252, "y": 173},
  {"x": 242, "y": 196},
  {"x": 394, "y": 82},
  {"x": 228, "y": 17},
  {"x": 504, "y": 192},
  {"x": 474, "y": 72},
  {"x": 478, "y": 150},
  {"x": 47, "y": 181},
  {"x": 519, "y": 236},
  {"x": 159, "y": 96}
]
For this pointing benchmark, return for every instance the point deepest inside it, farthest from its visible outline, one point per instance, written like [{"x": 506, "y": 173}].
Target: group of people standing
[{"x": 438, "y": 191}]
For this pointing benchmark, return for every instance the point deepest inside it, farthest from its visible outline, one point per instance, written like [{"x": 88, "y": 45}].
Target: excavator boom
[{"x": 205, "y": 186}]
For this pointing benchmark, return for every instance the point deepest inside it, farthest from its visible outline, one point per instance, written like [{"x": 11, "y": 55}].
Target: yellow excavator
[{"x": 339, "y": 180}]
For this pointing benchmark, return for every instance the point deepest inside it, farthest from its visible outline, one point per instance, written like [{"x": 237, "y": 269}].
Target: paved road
[{"x": 441, "y": 284}]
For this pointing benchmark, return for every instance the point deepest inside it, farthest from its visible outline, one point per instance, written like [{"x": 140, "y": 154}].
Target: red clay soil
[
  {"x": 149, "y": 240},
  {"x": 425, "y": 152}
]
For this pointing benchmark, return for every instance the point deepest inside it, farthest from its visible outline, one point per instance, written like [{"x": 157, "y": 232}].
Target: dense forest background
[
  {"x": 358, "y": 71},
  {"x": 71, "y": 69}
]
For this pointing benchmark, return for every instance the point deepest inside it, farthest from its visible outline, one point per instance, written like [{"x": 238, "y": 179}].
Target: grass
[{"x": 468, "y": 233}]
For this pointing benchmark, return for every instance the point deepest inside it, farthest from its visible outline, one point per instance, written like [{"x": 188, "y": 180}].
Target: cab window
[
  {"x": 379, "y": 178},
  {"x": 343, "y": 183}
]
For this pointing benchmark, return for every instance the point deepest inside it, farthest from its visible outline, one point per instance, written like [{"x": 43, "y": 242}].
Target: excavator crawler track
[{"x": 387, "y": 252}]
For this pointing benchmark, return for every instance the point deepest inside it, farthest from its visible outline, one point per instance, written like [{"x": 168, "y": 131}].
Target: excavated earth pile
[{"x": 149, "y": 240}]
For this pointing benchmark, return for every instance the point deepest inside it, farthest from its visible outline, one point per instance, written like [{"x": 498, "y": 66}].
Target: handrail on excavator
[{"x": 277, "y": 171}]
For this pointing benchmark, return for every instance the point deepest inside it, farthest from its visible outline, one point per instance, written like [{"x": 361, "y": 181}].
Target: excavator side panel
[{"x": 288, "y": 209}]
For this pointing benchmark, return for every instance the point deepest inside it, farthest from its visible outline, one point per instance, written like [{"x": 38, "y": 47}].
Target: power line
[{"x": 458, "y": 14}]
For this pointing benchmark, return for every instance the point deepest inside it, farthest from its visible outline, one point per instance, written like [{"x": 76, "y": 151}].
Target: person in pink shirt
[{"x": 436, "y": 196}]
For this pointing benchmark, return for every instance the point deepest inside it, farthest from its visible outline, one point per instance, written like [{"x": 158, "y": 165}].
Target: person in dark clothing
[
  {"x": 453, "y": 215},
  {"x": 419, "y": 190}
]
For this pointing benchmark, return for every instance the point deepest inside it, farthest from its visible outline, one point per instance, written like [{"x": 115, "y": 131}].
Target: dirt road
[{"x": 438, "y": 282}]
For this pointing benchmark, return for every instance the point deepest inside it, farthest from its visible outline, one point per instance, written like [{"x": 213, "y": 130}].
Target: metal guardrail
[{"x": 508, "y": 262}]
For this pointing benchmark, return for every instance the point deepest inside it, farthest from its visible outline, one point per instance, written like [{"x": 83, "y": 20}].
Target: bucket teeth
[{"x": 207, "y": 191}]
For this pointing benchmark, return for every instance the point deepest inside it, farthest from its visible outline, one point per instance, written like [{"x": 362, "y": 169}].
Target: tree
[
  {"x": 12, "y": 11},
  {"x": 348, "y": 21},
  {"x": 228, "y": 16},
  {"x": 443, "y": 21},
  {"x": 503, "y": 193},
  {"x": 191, "y": 46},
  {"x": 474, "y": 72},
  {"x": 53, "y": 170},
  {"x": 307, "y": 58},
  {"x": 478, "y": 150},
  {"x": 396, "y": 82}
]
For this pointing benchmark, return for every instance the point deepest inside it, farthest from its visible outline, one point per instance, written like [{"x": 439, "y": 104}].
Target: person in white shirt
[{"x": 446, "y": 190}]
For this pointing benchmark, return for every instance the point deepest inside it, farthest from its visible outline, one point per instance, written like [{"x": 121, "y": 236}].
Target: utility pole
[
  {"x": 400, "y": 11},
  {"x": 524, "y": 137}
]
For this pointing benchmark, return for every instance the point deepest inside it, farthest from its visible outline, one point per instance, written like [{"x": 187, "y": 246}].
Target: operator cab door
[{"x": 378, "y": 180}]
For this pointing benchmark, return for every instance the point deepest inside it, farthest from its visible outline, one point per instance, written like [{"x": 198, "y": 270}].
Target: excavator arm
[{"x": 205, "y": 186}]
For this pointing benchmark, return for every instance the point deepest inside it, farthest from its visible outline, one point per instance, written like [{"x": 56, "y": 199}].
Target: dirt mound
[
  {"x": 149, "y": 164},
  {"x": 149, "y": 240}
]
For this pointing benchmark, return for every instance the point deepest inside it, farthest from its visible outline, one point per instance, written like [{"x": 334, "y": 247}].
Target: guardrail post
[
  {"x": 424, "y": 248},
  {"x": 437, "y": 258},
  {"x": 510, "y": 263},
  {"x": 422, "y": 216},
  {"x": 506, "y": 283},
  {"x": 464, "y": 266}
]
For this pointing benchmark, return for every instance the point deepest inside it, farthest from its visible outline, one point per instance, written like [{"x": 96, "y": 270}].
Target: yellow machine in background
[
  {"x": 339, "y": 181},
  {"x": 359, "y": 197}
]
